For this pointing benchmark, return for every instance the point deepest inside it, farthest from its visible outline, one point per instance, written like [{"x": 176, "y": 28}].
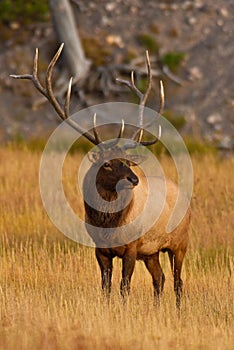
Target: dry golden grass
[{"x": 50, "y": 294}]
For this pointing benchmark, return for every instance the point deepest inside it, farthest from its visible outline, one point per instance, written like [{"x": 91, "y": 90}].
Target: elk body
[
  {"x": 115, "y": 174},
  {"x": 148, "y": 246}
]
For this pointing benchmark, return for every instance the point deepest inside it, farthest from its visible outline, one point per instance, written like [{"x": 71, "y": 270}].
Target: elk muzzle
[
  {"x": 129, "y": 182},
  {"x": 133, "y": 180}
]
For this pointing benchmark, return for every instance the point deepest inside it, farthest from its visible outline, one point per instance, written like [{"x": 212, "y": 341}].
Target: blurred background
[{"x": 190, "y": 45}]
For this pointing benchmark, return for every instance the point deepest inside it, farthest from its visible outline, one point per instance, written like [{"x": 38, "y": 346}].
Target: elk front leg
[
  {"x": 153, "y": 265},
  {"x": 105, "y": 263},
  {"x": 128, "y": 264}
]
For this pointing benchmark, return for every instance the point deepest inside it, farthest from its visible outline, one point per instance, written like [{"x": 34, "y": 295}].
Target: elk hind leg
[{"x": 178, "y": 283}]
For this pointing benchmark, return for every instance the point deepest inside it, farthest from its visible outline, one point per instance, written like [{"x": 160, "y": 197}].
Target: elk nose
[{"x": 133, "y": 180}]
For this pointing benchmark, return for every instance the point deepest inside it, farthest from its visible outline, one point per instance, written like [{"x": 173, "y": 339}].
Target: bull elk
[{"x": 113, "y": 168}]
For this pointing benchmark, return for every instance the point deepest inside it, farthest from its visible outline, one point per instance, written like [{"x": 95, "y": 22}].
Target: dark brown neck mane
[{"x": 98, "y": 211}]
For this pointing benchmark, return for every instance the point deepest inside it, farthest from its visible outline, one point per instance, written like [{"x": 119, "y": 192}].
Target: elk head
[{"x": 114, "y": 169}]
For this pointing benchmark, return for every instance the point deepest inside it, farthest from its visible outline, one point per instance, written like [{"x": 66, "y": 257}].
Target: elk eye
[{"x": 107, "y": 166}]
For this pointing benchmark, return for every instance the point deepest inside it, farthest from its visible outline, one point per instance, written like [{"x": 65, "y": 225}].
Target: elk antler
[
  {"x": 63, "y": 112},
  {"x": 138, "y": 134}
]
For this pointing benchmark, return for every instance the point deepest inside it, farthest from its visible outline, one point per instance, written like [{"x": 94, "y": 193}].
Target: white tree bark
[{"x": 66, "y": 31}]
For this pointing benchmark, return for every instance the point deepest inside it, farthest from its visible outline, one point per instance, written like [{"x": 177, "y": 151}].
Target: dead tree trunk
[{"x": 66, "y": 31}]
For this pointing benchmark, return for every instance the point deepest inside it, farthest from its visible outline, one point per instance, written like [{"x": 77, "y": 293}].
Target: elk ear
[
  {"x": 136, "y": 159},
  {"x": 93, "y": 156}
]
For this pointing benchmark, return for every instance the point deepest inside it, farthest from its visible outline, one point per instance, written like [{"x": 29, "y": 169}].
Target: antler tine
[
  {"x": 68, "y": 98},
  {"x": 35, "y": 79},
  {"x": 96, "y": 135},
  {"x": 162, "y": 98},
  {"x": 48, "y": 83},
  {"x": 150, "y": 143},
  {"x": 35, "y": 63},
  {"x": 48, "y": 93},
  {"x": 131, "y": 85},
  {"x": 121, "y": 130}
]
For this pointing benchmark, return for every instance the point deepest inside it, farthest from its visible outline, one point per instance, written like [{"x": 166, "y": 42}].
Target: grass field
[{"x": 50, "y": 294}]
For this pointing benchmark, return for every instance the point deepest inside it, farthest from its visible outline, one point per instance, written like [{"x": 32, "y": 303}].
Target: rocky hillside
[{"x": 116, "y": 32}]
